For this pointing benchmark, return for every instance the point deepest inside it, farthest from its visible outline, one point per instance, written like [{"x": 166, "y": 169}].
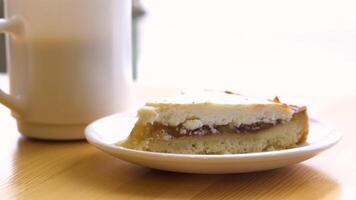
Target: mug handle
[{"x": 10, "y": 26}]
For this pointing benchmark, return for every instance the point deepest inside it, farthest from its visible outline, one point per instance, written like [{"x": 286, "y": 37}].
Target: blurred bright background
[
  {"x": 306, "y": 46},
  {"x": 276, "y": 46}
]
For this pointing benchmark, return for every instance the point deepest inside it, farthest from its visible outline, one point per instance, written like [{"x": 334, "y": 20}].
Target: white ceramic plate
[{"x": 105, "y": 133}]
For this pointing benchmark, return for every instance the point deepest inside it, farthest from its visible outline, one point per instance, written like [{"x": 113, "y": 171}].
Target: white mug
[{"x": 69, "y": 63}]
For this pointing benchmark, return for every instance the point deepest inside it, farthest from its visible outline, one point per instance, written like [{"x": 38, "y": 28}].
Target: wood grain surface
[{"x": 32, "y": 169}]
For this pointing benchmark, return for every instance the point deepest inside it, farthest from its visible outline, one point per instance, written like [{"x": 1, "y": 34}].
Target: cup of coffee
[{"x": 69, "y": 63}]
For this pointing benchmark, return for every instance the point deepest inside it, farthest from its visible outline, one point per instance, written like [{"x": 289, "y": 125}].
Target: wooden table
[{"x": 76, "y": 170}]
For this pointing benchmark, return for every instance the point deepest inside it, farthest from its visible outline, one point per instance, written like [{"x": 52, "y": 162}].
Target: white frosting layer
[{"x": 212, "y": 108}]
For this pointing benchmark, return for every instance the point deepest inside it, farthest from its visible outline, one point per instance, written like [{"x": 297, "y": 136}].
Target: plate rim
[{"x": 333, "y": 137}]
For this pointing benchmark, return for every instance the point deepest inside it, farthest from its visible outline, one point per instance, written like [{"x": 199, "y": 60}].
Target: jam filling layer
[{"x": 179, "y": 131}]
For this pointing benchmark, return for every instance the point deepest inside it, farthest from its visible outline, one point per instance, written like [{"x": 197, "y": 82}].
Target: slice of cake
[{"x": 212, "y": 122}]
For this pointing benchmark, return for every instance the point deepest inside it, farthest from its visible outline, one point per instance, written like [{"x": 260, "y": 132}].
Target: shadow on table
[
  {"x": 107, "y": 176},
  {"x": 137, "y": 182}
]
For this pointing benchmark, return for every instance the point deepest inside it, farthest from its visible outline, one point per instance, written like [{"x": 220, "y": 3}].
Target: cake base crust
[{"x": 281, "y": 136}]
